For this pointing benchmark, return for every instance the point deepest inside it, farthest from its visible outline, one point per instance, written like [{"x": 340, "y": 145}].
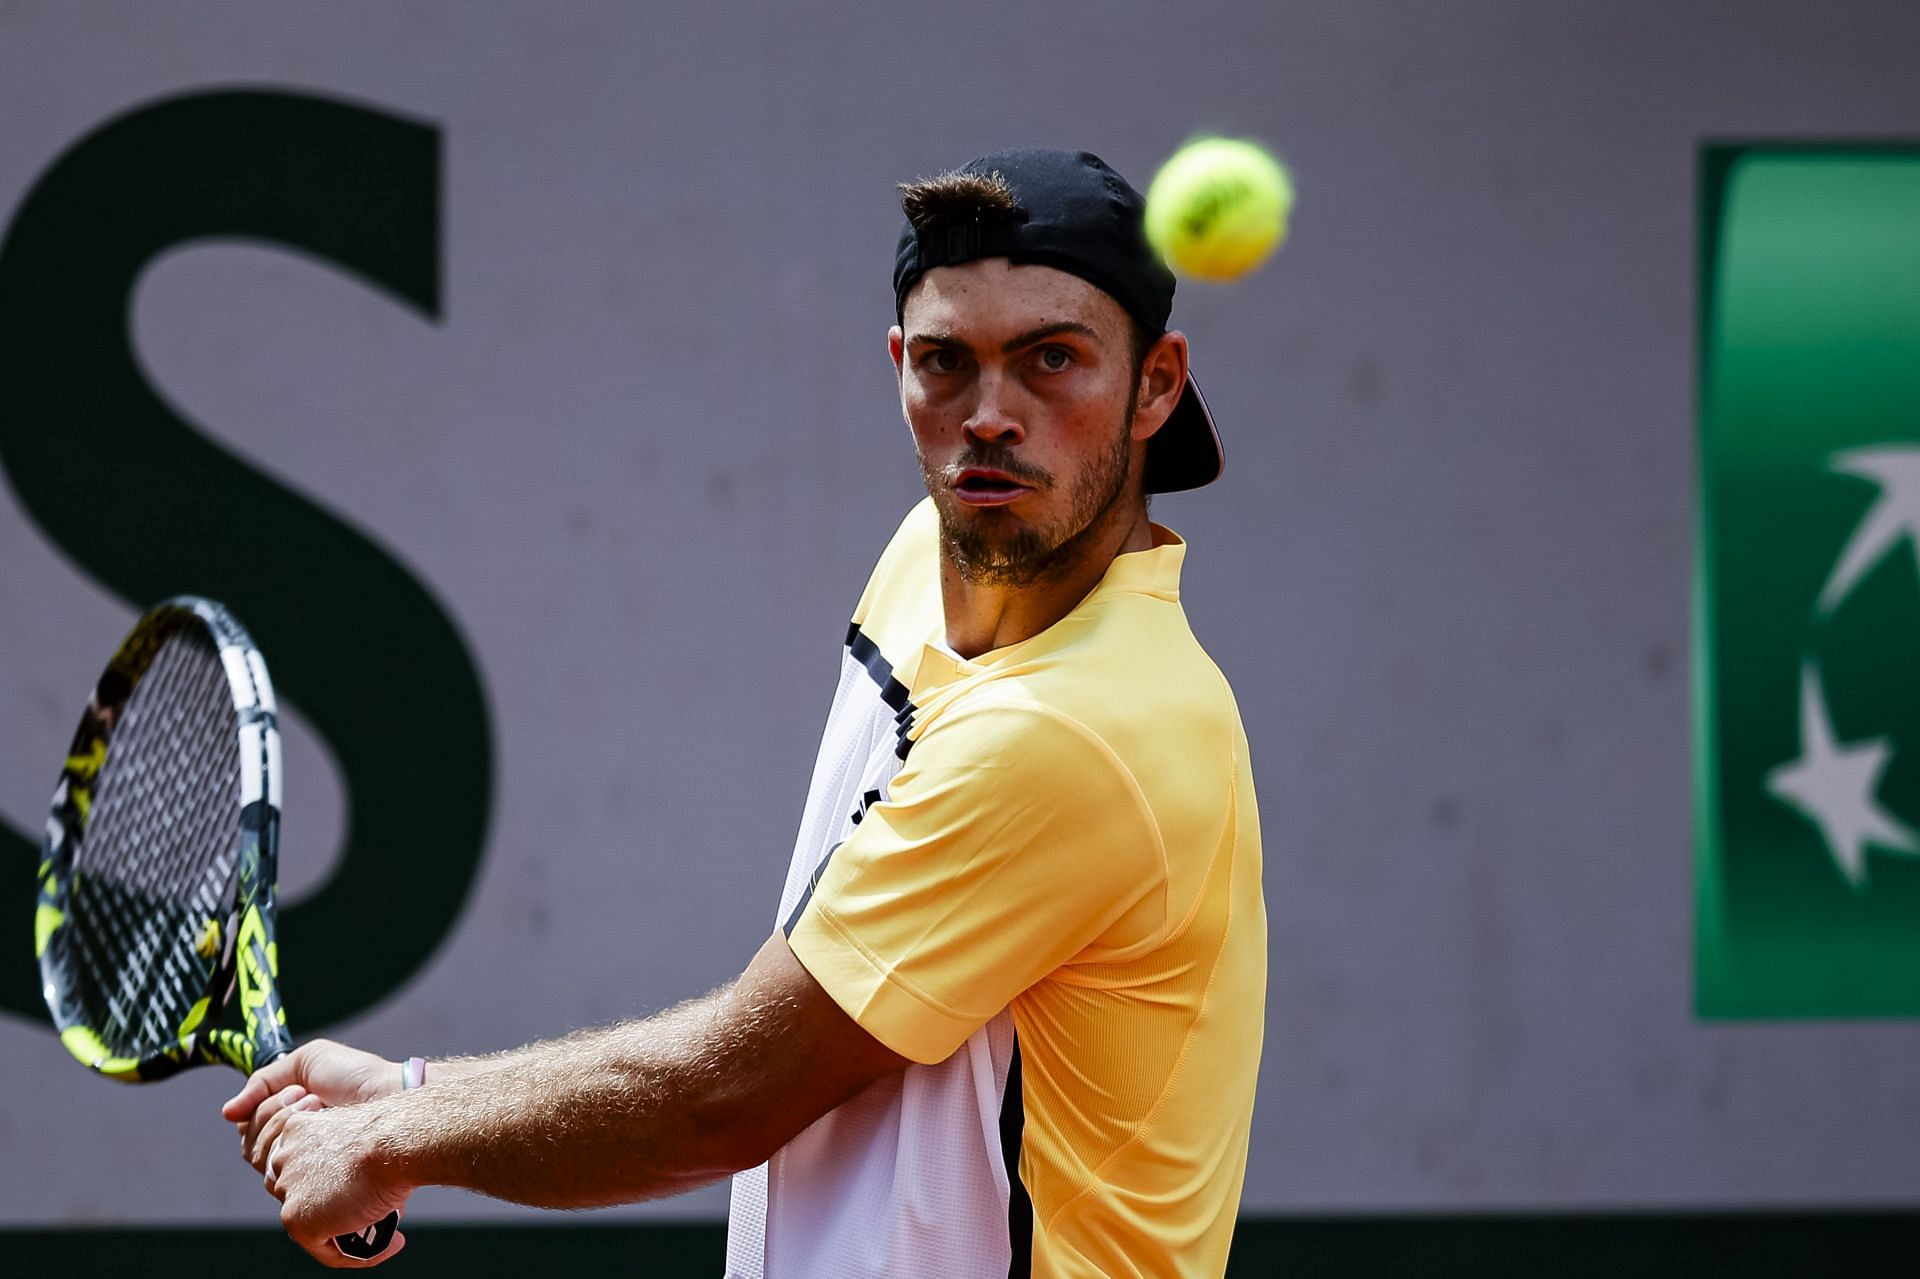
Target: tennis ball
[{"x": 1217, "y": 208}]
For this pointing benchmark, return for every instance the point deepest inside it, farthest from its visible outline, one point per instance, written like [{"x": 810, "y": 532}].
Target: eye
[
  {"x": 1055, "y": 358},
  {"x": 941, "y": 360}
]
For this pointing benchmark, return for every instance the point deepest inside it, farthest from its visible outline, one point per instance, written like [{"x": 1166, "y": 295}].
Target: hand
[
  {"x": 317, "y": 1073},
  {"x": 323, "y": 1167}
]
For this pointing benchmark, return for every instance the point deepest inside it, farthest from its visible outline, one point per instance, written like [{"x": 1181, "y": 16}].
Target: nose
[{"x": 996, "y": 416}]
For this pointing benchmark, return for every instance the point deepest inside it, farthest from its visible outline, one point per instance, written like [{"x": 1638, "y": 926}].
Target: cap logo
[
  {"x": 956, "y": 242},
  {"x": 963, "y": 241}
]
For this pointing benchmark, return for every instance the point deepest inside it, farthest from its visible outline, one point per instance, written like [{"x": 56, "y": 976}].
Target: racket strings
[
  {"x": 157, "y": 860},
  {"x": 140, "y": 978}
]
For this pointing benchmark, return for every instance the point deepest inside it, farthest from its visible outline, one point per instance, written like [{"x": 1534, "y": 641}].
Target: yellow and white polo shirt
[{"x": 1037, "y": 873}]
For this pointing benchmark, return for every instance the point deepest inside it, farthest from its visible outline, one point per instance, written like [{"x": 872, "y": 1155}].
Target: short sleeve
[{"x": 1011, "y": 841}]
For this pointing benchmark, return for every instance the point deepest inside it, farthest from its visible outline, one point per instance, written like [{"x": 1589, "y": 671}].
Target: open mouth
[{"x": 987, "y": 488}]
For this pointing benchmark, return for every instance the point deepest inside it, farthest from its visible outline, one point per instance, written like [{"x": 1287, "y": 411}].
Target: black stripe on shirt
[
  {"x": 813, "y": 882},
  {"x": 1013, "y": 1126},
  {"x": 892, "y": 691},
  {"x": 894, "y": 694},
  {"x": 868, "y": 654}
]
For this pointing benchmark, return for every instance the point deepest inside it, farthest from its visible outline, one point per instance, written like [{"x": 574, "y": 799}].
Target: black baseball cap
[{"x": 1075, "y": 214}]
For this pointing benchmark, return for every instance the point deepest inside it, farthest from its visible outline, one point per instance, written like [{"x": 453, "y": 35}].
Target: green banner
[{"x": 1807, "y": 596}]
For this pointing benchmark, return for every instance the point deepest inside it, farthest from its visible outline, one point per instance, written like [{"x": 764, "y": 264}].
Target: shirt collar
[{"x": 1154, "y": 571}]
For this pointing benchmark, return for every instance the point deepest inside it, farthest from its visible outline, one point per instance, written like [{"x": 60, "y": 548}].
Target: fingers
[
  {"x": 259, "y": 1132},
  {"x": 312, "y": 1158},
  {"x": 237, "y": 1107},
  {"x": 317, "y": 1208},
  {"x": 254, "y": 1137},
  {"x": 261, "y": 1084},
  {"x": 268, "y": 1146},
  {"x": 258, "y": 1145}
]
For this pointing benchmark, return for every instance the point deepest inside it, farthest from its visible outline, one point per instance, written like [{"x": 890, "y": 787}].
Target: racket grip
[{"x": 367, "y": 1244}]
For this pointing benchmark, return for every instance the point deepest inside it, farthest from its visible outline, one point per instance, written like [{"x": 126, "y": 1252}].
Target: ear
[
  {"x": 897, "y": 348},
  {"x": 1163, "y": 376}
]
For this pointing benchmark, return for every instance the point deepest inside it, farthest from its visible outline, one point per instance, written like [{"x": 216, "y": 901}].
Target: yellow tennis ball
[{"x": 1218, "y": 208}]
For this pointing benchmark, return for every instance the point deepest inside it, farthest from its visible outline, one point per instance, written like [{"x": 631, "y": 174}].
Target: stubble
[{"x": 985, "y": 555}]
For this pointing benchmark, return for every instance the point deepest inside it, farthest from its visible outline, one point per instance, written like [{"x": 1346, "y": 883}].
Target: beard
[{"x": 1023, "y": 555}]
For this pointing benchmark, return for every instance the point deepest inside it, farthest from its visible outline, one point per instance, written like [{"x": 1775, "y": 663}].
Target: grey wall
[{"x": 647, "y": 456}]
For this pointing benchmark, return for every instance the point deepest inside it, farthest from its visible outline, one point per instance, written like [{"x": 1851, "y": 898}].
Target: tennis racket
[{"x": 156, "y": 881}]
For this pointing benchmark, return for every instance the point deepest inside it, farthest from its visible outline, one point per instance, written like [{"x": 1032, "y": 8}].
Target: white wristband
[{"x": 413, "y": 1073}]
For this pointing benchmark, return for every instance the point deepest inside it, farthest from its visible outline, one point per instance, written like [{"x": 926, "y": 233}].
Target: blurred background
[{"x": 556, "y": 332}]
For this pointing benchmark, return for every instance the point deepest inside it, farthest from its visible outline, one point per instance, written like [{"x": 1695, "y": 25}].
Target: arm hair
[{"x": 640, "y": 1109}]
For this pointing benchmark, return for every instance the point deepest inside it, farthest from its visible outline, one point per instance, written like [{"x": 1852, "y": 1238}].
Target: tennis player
[{"x": 1009, "y": 1019}]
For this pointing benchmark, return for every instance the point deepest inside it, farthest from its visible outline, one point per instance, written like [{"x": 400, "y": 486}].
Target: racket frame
[{"x": 244, "y": 940}]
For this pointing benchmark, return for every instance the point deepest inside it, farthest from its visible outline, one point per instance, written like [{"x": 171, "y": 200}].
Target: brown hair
[{"x": 955, "y": 197}]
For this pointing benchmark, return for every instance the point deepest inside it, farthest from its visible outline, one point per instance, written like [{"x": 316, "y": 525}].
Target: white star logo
[
  {"x": 1894, "y": 518},
  {"x": 1833, "y": 785}
]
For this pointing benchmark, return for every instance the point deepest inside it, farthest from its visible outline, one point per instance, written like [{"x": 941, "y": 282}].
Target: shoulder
[
  {"x": 1014, "y": 754},
  {"x": 1129, "y": 670},
  {"x": 1003, "y": 720},
  {"x": 1132, "y": 713},
  {"x": 910, "y": 563}
]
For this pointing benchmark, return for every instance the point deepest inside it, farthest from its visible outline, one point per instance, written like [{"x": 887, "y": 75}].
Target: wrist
[
  {"x": 385, "y": 1155},
  {"x": 391, "y": 1148}
]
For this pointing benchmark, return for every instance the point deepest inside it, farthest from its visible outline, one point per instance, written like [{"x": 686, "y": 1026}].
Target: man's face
[{"x": 1018, "y": 384}]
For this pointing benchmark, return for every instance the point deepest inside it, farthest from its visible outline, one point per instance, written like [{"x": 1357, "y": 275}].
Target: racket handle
[{"x": 371, "y": 1242}]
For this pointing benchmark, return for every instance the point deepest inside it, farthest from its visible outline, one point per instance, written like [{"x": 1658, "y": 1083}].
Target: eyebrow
[{"x": 1029, "y": 338}]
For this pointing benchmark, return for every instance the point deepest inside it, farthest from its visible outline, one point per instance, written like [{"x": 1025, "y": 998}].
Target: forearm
[
  {"x": 630, "y": 1112},
  {"x": 443, "y": 1068},
  {"x": 627, "y": 1112}
]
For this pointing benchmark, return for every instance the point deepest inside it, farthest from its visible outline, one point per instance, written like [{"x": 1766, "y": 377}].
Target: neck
[{"x": 983, "y": 616}]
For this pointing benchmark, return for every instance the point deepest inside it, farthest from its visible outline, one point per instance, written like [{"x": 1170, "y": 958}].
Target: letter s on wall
[{"x": 149, "y": 507}]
